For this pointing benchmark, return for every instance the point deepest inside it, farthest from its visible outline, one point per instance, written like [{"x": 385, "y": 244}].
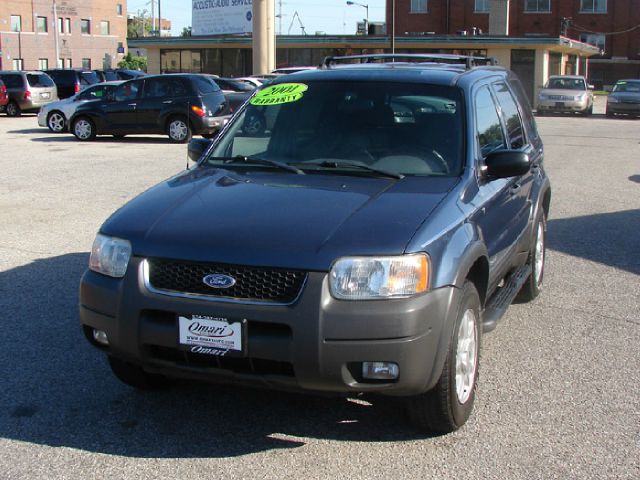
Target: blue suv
[{"x": 363, "y": 241}]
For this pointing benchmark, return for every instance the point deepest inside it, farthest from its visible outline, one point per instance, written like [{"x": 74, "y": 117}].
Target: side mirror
[
  {"x": 507, "y": 163},
  {"x": 197, "y": 146}
]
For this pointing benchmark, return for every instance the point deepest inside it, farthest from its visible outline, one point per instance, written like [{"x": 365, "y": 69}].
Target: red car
[{"x": 4, "y": 98}]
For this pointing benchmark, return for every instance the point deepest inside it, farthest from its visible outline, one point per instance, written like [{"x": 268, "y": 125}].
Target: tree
[
  {"x": 186, "y": 32},
  {"x": 133, "y": 63}
]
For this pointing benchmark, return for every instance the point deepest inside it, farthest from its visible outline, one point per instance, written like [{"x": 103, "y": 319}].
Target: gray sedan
[
  {"x": 55, "y": 115},
  {"x": 624, "y": 98}
]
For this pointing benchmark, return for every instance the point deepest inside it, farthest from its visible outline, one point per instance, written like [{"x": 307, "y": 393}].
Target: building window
[
  {"x": 85, "y": 26},
  {"x": 119, "y": 9},
  {"x": 593, "y": 6},
  {"x": 41, "y": 24},
  {"x": 60, "y": 25},
  {"x": 104, "y": 27},
  {"x": 43, "y": 64},
  {"x": 16, "y": 23},
  {"x": 418, "y": 6},
  {"x": 537, "y": 5},
  {"x": 69, "y": 64},
  {"x": 596, "y": 39},
  {"x": 86, "y": 63},
  {"x": 482, "y": 6},
  {"x": 17, "y": 64},
  {"x": 67, "y": 25}
]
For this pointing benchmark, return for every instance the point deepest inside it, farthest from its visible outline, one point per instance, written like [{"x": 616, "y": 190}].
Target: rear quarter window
[
  {"x": 39, "y": 80},
  {"x": 205, "y": 85}
]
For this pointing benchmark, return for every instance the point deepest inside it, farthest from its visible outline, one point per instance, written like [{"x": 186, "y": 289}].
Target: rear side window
[
  {"x": 156, "y": 88},
  {"x": 13, "y": 81},
  {"x": 39, "y": 80},
  {"x": 88, "y": 78},
  {"x": 489, "y": 128},
  {"x": 205, "y": 85},
  {"x": 510, "y": 116}
]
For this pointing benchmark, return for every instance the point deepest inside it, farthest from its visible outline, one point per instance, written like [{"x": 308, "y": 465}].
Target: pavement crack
[{"x": 610, "y": 317}]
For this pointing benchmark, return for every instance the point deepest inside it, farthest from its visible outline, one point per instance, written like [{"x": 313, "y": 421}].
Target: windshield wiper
[
  {"x": 259, "y": 161},
  {"x": 351, "y": 164}
]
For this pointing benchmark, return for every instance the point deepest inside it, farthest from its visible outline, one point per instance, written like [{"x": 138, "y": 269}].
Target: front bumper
[
  {"x": 317, "y": 343},
  {"x": 42, "y": 117},
  {"x": 563, "y": 105},
  {"x": 624, "y": 108}
]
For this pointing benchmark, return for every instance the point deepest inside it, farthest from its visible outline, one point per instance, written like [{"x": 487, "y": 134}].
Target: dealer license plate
[
  {"x": 45, "y": 95},
  {"x": 210, "y": 335}
]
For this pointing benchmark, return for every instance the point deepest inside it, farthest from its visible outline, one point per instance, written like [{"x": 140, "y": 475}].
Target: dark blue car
[{"x": 387, "y": 215}]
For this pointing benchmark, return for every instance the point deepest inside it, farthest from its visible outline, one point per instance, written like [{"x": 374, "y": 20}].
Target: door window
[
  {"x": 127, "y": 91},
  {"x": 156, "y": 88},
  {"x": 510, "y": 116},
  {"x": 488, "y": 127}
]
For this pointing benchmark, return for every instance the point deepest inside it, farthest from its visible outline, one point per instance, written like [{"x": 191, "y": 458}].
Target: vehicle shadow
[
  {"x": 635, "y": 178},
  {"x": 57, "y": 390},
  {"x": 608, "y": 238}
]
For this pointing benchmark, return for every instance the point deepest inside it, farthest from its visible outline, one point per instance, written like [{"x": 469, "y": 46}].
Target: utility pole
[
  {"x": 264, "y": 38},
  {"x": 159, "y": 19},
  {"x": 55, "y": 33},
  {"x": 153, "y": 16}
]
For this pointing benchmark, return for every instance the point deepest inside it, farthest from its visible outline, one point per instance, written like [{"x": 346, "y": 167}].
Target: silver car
[
  {"x": 27, "y": 91},
  {"x": 624, "y": 98},
  {"x": 56, "y": 115},
  {"x": 566, "y": 93}
]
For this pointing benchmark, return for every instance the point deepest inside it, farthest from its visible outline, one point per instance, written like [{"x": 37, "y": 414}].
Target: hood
[
  {"x": 629, "y": 97},
  {"x": 278, "y": 220}
]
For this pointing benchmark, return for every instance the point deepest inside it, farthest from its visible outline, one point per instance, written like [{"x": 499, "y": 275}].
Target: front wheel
[
  {"x": 179, "y": 130},
  {"x": 537, "y": 255},
  {"x": 447, "y": 406},
  {"x": 56, "y": 122},
  {"x": 84, "y": 129}
]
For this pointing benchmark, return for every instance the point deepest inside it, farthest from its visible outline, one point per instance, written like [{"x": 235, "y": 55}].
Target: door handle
[
  {"x": 515, "y": 188},
  {"x": 132, "y": 104}
]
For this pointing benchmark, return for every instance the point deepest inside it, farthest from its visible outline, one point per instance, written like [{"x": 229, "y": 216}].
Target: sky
[{"x": 328, "y": 16}]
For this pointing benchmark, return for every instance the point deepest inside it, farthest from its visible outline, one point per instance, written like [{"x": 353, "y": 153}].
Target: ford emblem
[{"x": 218, "y": 280}]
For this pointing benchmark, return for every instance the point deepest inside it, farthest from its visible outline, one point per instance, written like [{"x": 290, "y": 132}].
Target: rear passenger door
[
  {"x": 155, "y": 96},
  {"x": 121, "y": 114}
]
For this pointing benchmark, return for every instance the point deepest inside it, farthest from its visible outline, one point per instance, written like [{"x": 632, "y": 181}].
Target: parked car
[
  {"x": 27, "y": 91},
  {"x": 55, "y": 115},
  {"x": 340, "y": 252},
  {"x": 624, "y": 98},
  {"x": 254, "y": 82},
  {"x": 179, "y": 105},
  {"x": 118, "y": 74},
  {"x": 4, "y": 98},
  {"x": 71, "y": 81},
  {"x": 566, "y": 93},
  {"x": 288, "y": 70}
]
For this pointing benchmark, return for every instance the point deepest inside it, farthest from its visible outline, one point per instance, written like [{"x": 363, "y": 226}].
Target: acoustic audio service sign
[{"x": 216, "y": 17}]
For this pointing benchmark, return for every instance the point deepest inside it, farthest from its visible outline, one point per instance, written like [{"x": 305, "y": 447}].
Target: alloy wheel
[{"x": 466, "y": 356}]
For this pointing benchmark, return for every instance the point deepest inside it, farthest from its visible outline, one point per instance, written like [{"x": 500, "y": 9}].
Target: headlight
[
  {"x": 110, "y": 256},
  {"x": 370, "y": 278},
  {"x": 581, "y": 97},
  {"x": 613, "y": 100}
]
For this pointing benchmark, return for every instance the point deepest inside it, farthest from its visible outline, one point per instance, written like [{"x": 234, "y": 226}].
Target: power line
[{"x": 586, "y": 30}]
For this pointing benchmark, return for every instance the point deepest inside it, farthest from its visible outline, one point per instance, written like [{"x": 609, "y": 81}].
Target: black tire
[
  {"x": 540, "y": 113},
  {"x": 136, "y": 377},
  {"x": 533, "y": 286},
  {"x": 56, "y": 122},
  {"x": 179, "y": 130},
  {"x": 12, "y": 109},
  {"x": 444, "y": 408},
  {"x": 84, "y": 129},
  {"x": 609, "y": 114}
]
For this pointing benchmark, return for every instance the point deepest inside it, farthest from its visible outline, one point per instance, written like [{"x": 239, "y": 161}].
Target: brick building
[
  {"x": 612, "y": 25},
  {"x": 40, "y": 34}
]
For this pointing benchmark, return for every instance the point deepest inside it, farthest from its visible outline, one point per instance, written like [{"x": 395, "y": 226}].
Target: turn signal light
[{"x": 198, "y": 111}]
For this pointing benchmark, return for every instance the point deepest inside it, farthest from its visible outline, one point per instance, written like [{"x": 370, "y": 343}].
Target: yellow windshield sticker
[{"x": 281, "y": 93}]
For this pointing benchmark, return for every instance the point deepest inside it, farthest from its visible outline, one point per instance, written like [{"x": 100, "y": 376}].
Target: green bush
[{"x": 133, "y": 63}]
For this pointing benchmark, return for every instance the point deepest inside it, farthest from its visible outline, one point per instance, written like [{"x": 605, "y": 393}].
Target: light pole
[
  {"x": 393, "y": 26},
  {"x": 349, "y": 2}
]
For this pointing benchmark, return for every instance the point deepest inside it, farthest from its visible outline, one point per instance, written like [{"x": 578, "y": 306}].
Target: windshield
[
  {"x": 321, "y": 126},
  {"x": 567, "y": 83},
  {"x": 627, "y": 86}
]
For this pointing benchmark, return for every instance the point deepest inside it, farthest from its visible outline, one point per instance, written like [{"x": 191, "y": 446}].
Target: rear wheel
[
  {"x": 135, "y": 376},
  {"x": 56, "y": 122},
  {"x": 537, "y": 255},
  {"x": 84, "y": 129},
  {"x": 447, "y": 406},
  {"x": 13, "y": 110},
  {"x": 179, "y": 130}
]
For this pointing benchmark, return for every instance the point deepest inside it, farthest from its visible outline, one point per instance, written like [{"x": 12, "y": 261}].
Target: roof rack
[{"x": 438, "y": 58}]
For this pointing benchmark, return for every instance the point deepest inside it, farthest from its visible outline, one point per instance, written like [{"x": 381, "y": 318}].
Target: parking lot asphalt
[{"x": 559, "y": 383}]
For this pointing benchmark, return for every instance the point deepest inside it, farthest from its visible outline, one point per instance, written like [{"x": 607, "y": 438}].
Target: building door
[{"x": 523, "y": 64}]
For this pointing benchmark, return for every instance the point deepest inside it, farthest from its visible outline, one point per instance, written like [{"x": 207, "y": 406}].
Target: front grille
[{"x": 252, "y": 283}]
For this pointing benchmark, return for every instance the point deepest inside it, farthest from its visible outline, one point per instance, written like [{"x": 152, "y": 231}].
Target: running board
[{"x": 503, "y": 297}]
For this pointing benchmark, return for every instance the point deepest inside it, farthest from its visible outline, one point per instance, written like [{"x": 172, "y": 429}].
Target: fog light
[
  {"x": 100, "y": 337},
  {"x": 380, "y": 370}
]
